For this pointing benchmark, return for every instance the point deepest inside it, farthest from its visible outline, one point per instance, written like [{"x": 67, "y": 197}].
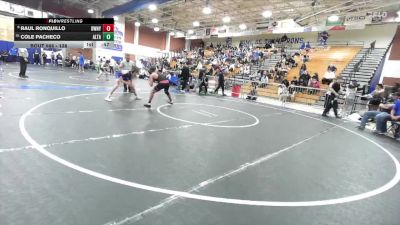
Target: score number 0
[{"x": 108, "y": 27}]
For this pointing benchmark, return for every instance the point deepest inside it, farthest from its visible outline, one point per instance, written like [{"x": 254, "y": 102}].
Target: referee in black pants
[
  {"x": 331, "y": 99},
  {"x": 221, "y": 82},
  {"x": 185, "y": 73}
]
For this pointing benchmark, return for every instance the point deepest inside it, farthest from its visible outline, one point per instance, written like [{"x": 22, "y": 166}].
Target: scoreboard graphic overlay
[{"x": 63, "y": 32}]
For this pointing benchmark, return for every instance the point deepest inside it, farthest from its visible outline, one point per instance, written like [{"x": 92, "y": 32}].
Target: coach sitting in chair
[{"x": 382, "y": 117}]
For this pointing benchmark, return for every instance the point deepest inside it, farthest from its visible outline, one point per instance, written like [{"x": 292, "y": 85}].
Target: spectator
[
  {"x": 304, "y": 79},
  {"x": 315, "y": 83},
  {"x": 53, "y": 58},
  {"x": 67, "y": 61},
  {"x": 303, "y": 69},
  {"x": 323, "y": 38},
  {"x": 44, "y": 56},
  {"x": 294, "y": 82},
  {"x": 253, "y": 92},
  {"x": 203, "y": 81},
  {"x": 306, "y": 58},
  {"x": 73, "y": 62},
  {"x": 286, "y": 83},
  {"x": 291, "y": 62},
  {"x": 283, "y": 93},
  {"x": 59, "y": 60},
  {"x": 381, "y": 118},
  {"x": 303, "y": 45},
  {"x": 81, "y": 63},
  {"x": 308, "y": 46},
  {"x": 36, "y": 57},
  {"x": 315, "y": 76},
  {"x": 264, "y": 80},
  {"x": 331, "y": 68},
  {"x": 4, "y": 55},
  {"x": 376, "y": 97},
  {"x": 23, "y": 61},
  {"x": 329, "y": 74}
]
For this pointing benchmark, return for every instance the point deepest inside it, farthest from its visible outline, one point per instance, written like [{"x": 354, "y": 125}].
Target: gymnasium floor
[{"x": 69, "y": 157}]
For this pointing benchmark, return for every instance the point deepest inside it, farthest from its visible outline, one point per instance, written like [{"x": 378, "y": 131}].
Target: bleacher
[
  {"x": 369, "y": 60},
  {"x": 269, "y": 62},
  {"x": 304, "y": 95},
  {"x": 341, "y": 56}
]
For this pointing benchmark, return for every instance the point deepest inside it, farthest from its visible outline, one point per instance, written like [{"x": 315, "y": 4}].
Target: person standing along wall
[
  {"x": 36, "y": 57},
  {"x": 44, "y": 56},
  {"x": 53, "y": 58},
  {"x": 23, "y": 61},
  {"x": 81, "y": 63}
]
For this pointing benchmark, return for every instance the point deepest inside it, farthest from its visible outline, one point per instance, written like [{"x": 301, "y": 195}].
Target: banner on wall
[
  {"x": 4, "y": 6},
  {"x": 263, "y": 25},
  {"x": 118, "y": 37},
  {"x": 380, "y": 17},
  {"x": 339, "y": 27},
  {"x": 339, "y": 22},
  {"x": 33, "y": 13},
  {"x": 357, "y": 19},
  {"x": 292, "y": 40},
  {"x": 200, "y": 33},
  {"x": 213, "y": 31},
  {"x": 377, "y": 17},
  {"x": 222, "y": 30},
  {"x": 17, "y": 9}
]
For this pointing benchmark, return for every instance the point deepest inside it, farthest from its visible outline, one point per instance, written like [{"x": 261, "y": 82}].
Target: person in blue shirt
[
  {"x": 308, "y": 45},
  {"x": 323, "y": 38},
  {"x": 81, "y": 63},
  {"x": 303, "y": 46},
  {"x": 381, "y": 118}
]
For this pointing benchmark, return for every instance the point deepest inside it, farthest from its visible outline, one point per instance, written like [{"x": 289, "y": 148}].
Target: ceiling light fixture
[
  {"x": 226, "y": 19},
  {"x": 267, "y": 14},
  {"x": 196, "y": 23},
  {"x": 156, "y": 29},
  {"x": 190, "y": 32},
  {"x": 137, "y": 24},
  {"x": 206, "y": 10},
  {"x": 242, "y": 26},
  {"x": 171, "y": 33},
  {"x": 152, "y": 7},
  {"x": 154, "y": 20},
  {"x": 398, "y": 13},
  {"x": 115, "y": 18},
  {"x": 90, "y": 11},
  {"x": 333, "y": 18}
]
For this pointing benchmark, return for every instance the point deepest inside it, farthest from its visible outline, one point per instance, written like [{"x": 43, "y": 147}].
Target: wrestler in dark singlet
[{"x": 162, "y": 83}]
